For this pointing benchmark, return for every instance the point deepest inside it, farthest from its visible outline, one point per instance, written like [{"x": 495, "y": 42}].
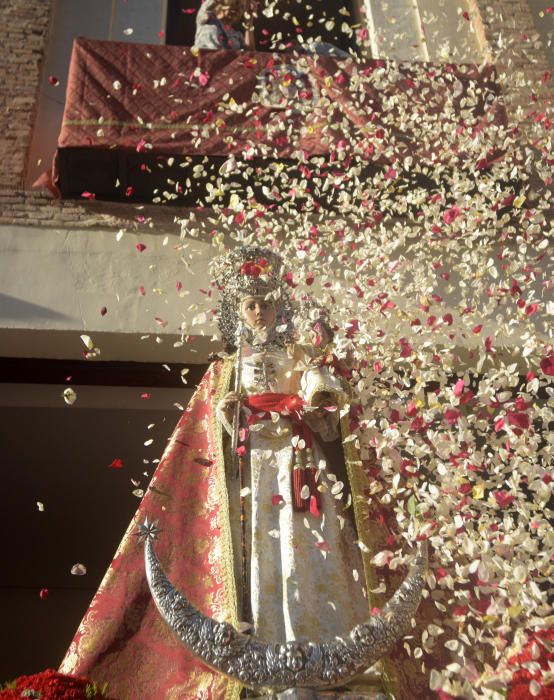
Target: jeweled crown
[
  {"x": 248, "y": 270},
  {"x": 252, "y": 271}
]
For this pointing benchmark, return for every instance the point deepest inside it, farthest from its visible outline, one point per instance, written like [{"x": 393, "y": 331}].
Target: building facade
[{"x": 90, "y": 281}]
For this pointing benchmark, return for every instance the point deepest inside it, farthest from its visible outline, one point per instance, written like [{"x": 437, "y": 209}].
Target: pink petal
[
  {"x": 451, "y": 214},
  {"x": 518, "y": 419},
  {"x": 204, "y": 79},
  {"x": 451, "y": 415},
  {"x": 314, "y": 510}
]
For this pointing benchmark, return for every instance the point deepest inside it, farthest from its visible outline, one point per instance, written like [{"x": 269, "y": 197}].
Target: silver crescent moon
[{"x": 274, "y": 667}]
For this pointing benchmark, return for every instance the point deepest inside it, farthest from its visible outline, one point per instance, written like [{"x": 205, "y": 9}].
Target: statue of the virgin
[{"x": 261, "y": 507}]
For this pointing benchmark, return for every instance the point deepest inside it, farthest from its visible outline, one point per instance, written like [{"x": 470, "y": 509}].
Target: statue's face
[{"x": 257, "y": 312}]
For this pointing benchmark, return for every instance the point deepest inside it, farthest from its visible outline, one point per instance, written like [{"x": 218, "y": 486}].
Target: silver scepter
[
  {"x": 239, "y": 461},
  {"x": 238, "y": 377}
]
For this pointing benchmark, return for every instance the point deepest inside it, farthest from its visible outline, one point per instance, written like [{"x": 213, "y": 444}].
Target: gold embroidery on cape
[
  {"x": 367, "y": 535},
  {"x": 224, "y": 380}
]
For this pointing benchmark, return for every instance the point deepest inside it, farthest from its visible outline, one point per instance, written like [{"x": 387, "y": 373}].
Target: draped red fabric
[
  {"x": 284, "y": 404},
  {"x": 148, "y": 78},
  {"x": 292, "y": 405},
  {"x": 123, "y": 640},
  {"x": 131, "y": 90}
]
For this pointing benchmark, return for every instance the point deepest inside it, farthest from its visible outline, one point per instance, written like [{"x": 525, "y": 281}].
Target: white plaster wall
[
  {"x": 54, "y": 283},
  {"x": 55, "y": 280}
]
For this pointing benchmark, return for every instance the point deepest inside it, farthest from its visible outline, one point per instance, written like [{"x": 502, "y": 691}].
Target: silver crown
[{"x": 252, "y": 271}]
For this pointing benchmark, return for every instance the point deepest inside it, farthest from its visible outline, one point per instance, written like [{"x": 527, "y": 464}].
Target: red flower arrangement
[
  {"x": 538, "y": 650},
  {"x": 253, "y": 268},
  {"x": 51, "y": 685}
]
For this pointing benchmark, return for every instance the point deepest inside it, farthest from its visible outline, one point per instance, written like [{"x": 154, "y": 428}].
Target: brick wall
[
  {"x": 514, "y": 46},
  {"x": 510, "y": 30},
  {"x": 24, "y": 33},
  {"x": 37, "y": 208},
  {"x": 506, "y": 28},
  {"x": 25, "y": 25}
]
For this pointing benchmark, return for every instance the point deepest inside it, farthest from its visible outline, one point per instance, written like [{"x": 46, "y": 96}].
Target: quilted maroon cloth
[{"x": 177, "y": 100}]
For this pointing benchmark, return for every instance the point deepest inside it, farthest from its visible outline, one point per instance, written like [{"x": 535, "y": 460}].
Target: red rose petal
[{"x": 459, "y": 387}]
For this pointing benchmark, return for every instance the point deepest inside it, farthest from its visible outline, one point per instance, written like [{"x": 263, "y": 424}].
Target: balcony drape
[{"x": 175, "y": 101}]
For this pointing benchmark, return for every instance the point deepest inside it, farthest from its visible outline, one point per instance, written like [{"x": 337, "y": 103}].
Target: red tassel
[{"x": 298, "y": 481}]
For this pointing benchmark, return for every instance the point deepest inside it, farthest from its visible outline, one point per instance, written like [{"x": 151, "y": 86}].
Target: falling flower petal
[{"x": 69, "y": 396}]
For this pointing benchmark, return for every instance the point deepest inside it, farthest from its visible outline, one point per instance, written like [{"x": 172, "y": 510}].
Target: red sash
[{"x": 292, "y": 406}]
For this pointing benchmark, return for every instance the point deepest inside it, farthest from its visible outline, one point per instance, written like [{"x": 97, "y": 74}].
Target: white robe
[{"x": 306, "y": 572}]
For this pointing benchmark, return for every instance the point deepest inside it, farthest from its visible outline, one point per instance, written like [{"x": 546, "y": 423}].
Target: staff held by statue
[{"x": 239, "y": 461}]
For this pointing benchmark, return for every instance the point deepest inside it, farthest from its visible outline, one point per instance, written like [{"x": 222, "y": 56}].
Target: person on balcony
[{"x": 217, "y": 22}]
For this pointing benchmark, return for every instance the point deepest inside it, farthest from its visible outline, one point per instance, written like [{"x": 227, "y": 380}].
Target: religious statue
[{"x": 257, "y": 516}]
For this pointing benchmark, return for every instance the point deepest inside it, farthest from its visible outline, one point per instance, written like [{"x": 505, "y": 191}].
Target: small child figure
[{"x": 325, "y": 351}]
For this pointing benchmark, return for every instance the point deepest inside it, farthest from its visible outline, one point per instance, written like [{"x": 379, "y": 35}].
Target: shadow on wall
[{"x": 12, "y": 308}]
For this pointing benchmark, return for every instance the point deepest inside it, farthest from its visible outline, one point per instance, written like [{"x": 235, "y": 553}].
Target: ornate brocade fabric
[{"x": 122, "y": 639}]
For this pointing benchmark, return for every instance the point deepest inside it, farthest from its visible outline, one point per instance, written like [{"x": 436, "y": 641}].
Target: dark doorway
[
  {"x": 292, "y": 21},
  {"x": 72, "y": 478},
  {"x": 64, "y": 505},
  {"x": 181, "y": 22}
]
